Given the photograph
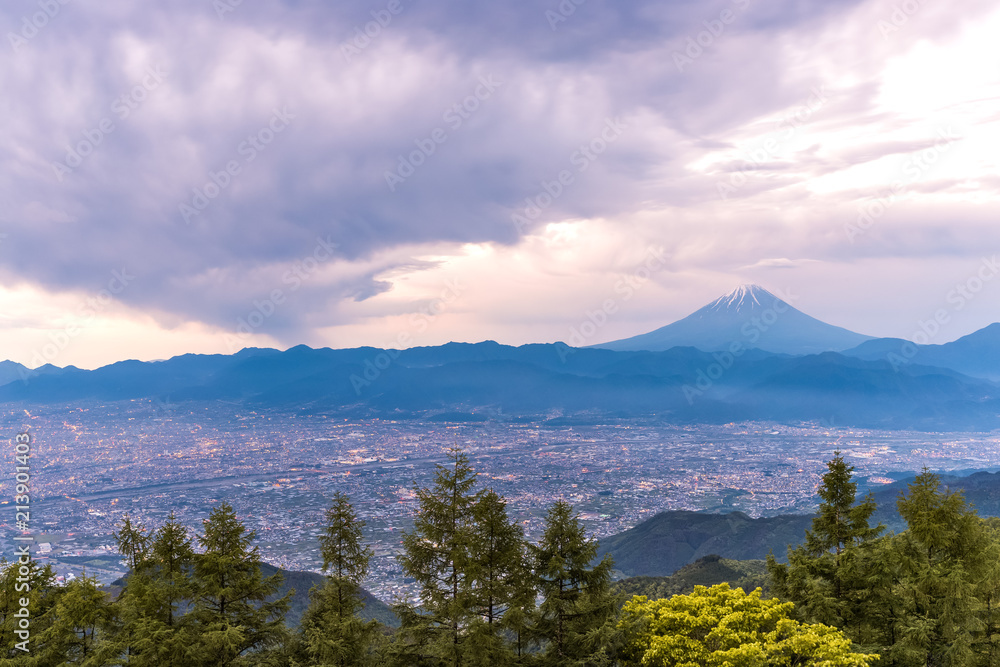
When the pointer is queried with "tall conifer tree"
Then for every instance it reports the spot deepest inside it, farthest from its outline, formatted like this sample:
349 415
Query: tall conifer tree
817 577
437 554
575 620
233 610
332 632
133 543
152 627
501 582
947 567
81 621
38 586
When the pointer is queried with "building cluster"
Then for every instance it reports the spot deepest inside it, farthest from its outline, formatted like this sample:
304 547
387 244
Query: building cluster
95 463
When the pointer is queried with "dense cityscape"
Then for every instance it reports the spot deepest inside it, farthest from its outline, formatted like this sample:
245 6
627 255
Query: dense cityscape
94 463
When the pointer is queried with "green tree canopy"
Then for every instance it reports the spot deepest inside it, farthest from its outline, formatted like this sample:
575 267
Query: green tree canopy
437 554
947 574
36 585
332 633
233 612
575 619
502 592
81 619
722 627
819 577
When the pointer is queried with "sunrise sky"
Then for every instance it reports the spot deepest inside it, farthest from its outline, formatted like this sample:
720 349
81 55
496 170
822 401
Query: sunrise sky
202 176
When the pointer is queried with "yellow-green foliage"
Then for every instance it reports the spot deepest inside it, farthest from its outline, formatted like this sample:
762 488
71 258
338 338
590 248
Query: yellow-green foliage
722 627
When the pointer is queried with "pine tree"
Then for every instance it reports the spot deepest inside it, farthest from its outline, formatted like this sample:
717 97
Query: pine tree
437 554
233 613
332 632
81 619
501 582
819 577
133 543
875 569
947 559
152 624
38 586
988 646
840 523
169 565
575 620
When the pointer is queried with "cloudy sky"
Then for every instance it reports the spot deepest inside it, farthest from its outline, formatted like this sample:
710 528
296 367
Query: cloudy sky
204 176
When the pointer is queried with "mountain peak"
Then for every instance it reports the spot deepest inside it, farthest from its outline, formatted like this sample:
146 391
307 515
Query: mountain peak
748 317
748 295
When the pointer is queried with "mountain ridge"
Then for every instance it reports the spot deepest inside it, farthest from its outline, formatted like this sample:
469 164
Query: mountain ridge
976 354
680 385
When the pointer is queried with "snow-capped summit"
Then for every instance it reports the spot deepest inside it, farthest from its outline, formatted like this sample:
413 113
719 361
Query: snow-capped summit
744 296
749 316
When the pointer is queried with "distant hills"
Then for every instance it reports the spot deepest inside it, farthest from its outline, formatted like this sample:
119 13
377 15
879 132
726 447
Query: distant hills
976 355
981 490
468 382
706 571
750 317
302 583
746 356
11 371
662 544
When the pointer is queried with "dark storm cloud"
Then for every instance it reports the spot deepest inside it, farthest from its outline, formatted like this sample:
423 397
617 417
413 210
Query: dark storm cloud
171 97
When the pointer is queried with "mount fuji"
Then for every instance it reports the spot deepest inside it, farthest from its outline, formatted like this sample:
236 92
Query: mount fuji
751 317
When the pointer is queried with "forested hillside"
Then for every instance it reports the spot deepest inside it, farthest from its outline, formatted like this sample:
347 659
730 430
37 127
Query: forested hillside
662 544
706 571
